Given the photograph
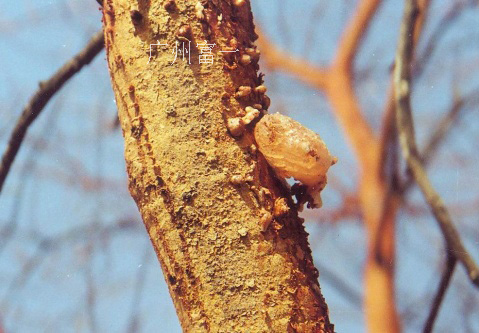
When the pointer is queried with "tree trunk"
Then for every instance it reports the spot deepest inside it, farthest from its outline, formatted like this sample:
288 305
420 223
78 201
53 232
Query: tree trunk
207 198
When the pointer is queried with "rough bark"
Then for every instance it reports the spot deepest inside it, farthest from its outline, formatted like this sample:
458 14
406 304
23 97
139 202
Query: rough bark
226 268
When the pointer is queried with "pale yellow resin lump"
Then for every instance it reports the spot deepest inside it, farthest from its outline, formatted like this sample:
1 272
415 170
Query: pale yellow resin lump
294 151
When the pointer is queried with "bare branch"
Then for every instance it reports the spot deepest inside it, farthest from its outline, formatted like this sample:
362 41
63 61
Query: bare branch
355 31
27 170
44 93
388 130
404 122
451 16
274 58
439 134
447 122
441 292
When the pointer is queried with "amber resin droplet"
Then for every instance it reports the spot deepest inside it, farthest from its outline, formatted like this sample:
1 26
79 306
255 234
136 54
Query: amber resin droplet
294 151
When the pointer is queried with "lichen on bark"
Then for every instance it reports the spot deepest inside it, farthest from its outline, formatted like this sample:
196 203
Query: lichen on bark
204 195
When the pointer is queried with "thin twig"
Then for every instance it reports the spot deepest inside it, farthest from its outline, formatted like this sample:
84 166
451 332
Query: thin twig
441 292
447 122
354 33
44 93
397 191
404 121
7 233
452 15
439 134
388 123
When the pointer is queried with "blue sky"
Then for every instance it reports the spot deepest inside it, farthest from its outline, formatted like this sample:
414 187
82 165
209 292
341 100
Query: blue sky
53 191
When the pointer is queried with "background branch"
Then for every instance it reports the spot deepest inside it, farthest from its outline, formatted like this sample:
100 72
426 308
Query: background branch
44 93
404 122
354 33
274 58
441 292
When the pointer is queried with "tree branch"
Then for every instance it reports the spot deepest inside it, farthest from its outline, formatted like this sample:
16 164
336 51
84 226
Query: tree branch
447 122
44 93
177 211
397 191
404 122
388 122
274 58
354 33
441 292
446 22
